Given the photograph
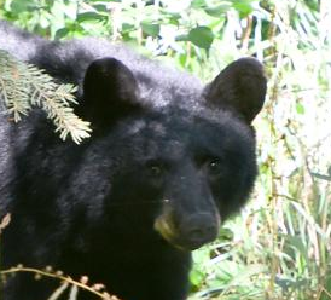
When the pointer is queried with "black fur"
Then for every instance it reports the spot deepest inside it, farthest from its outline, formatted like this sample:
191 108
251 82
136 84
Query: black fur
167 160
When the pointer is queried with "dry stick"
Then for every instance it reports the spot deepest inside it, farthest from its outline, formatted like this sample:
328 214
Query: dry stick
246 34
274 96
104 296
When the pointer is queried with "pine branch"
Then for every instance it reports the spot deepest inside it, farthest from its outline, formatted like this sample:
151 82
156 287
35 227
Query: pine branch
23 86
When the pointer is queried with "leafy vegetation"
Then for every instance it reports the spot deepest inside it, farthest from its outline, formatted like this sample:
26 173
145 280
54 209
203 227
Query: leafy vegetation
280 245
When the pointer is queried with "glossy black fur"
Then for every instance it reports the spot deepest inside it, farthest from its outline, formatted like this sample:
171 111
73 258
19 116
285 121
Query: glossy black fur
164 146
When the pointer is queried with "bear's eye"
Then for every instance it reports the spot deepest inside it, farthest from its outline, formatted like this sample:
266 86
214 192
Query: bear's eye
215 166
155 168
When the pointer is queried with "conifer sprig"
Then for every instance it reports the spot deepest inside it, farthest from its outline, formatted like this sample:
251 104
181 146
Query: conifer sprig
23 86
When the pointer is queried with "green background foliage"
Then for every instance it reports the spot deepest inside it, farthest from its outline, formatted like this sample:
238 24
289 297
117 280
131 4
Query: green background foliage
279 246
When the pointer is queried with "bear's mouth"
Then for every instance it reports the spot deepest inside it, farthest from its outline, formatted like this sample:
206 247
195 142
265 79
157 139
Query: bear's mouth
164 225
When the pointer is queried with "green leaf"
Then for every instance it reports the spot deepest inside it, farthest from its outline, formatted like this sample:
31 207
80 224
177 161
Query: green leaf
151 29
173 18
225 234
90 16
127 27
244 7
101 8
182 38
217 11
18 6
201 36
61 33
197 277
198 3
182 60
300 109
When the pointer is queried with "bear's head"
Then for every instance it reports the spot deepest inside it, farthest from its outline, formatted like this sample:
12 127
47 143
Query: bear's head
175 170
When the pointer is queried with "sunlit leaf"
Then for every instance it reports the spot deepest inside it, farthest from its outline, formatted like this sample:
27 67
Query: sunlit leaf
151 29
201 36
300 109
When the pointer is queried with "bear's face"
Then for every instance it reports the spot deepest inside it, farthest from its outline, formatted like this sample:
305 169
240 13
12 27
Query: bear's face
188 168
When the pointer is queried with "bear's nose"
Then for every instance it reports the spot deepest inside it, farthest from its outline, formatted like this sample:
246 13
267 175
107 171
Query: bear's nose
198 229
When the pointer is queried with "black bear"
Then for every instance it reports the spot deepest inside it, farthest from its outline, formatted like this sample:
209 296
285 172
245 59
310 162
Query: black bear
168 161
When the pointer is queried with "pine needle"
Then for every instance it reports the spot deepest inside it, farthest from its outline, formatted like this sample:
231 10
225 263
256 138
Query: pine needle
23 86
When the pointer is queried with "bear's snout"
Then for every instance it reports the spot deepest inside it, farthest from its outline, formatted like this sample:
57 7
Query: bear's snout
188 231
197 230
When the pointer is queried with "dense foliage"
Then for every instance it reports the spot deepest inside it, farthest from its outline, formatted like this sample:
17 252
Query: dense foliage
279 247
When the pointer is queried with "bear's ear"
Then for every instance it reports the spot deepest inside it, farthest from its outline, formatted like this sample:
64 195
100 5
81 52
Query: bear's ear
240 87
110 91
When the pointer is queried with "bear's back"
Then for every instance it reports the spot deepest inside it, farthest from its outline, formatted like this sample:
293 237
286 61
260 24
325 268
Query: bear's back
159 85
67 61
